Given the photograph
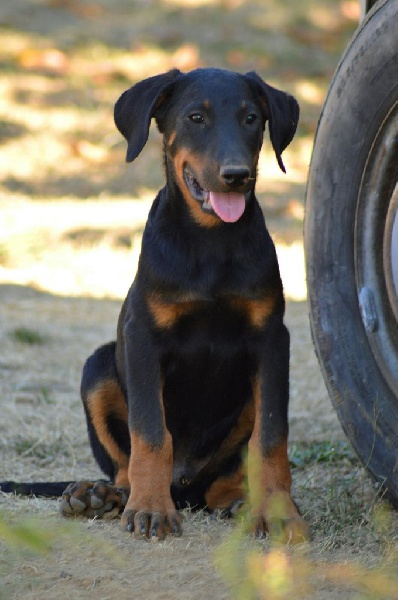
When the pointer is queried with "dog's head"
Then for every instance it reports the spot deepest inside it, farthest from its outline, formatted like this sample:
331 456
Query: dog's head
212 122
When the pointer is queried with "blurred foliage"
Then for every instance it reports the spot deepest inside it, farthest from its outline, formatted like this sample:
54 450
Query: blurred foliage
275 571
25 535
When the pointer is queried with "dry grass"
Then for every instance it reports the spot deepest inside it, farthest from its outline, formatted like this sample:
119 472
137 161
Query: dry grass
42 436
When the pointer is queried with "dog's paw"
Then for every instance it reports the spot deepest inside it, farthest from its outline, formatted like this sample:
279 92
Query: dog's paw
278 515
289 530
152 525
93 499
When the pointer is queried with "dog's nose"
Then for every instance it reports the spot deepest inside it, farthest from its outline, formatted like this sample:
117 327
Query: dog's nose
235 175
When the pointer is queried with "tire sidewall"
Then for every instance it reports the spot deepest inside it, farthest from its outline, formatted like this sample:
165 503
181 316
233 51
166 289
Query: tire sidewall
354 110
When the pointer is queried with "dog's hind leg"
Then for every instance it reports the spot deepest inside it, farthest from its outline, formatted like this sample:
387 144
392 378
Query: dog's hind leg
106 412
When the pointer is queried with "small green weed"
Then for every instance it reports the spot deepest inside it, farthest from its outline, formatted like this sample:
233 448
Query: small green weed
44 397
39 449
303 454
25 335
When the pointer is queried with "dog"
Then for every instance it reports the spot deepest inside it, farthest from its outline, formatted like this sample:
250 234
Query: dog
199 372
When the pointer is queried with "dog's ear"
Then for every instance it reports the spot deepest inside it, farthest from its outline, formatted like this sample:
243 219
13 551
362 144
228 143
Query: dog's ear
283 114
136 107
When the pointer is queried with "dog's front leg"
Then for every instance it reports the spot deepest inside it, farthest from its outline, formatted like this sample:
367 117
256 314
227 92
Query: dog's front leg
150 511
269 475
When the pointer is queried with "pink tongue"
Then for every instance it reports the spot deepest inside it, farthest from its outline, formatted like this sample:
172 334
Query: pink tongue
229 207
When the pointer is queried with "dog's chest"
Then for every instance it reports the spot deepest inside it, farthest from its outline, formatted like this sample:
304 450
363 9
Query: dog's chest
227 316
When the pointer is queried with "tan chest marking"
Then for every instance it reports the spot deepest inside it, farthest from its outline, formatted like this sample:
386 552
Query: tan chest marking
257 311
166 314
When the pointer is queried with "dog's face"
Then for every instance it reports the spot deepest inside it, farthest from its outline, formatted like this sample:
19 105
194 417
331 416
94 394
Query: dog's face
212 122
213 129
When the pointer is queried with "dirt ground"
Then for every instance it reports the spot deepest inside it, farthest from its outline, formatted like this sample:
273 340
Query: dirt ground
71 216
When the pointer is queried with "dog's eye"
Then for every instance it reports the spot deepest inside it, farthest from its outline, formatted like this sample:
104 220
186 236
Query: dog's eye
197 118
250 119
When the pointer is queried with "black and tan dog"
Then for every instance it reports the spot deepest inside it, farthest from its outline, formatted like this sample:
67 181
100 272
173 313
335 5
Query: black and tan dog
200 368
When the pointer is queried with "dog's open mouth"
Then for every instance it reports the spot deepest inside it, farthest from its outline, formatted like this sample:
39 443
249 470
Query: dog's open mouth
228 206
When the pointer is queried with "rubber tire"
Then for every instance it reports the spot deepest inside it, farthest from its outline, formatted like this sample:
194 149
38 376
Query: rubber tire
357 346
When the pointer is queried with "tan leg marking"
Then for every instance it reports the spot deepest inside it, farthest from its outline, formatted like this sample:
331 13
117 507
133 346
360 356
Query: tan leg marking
107 398
150 511
269 486
225 490
150 473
